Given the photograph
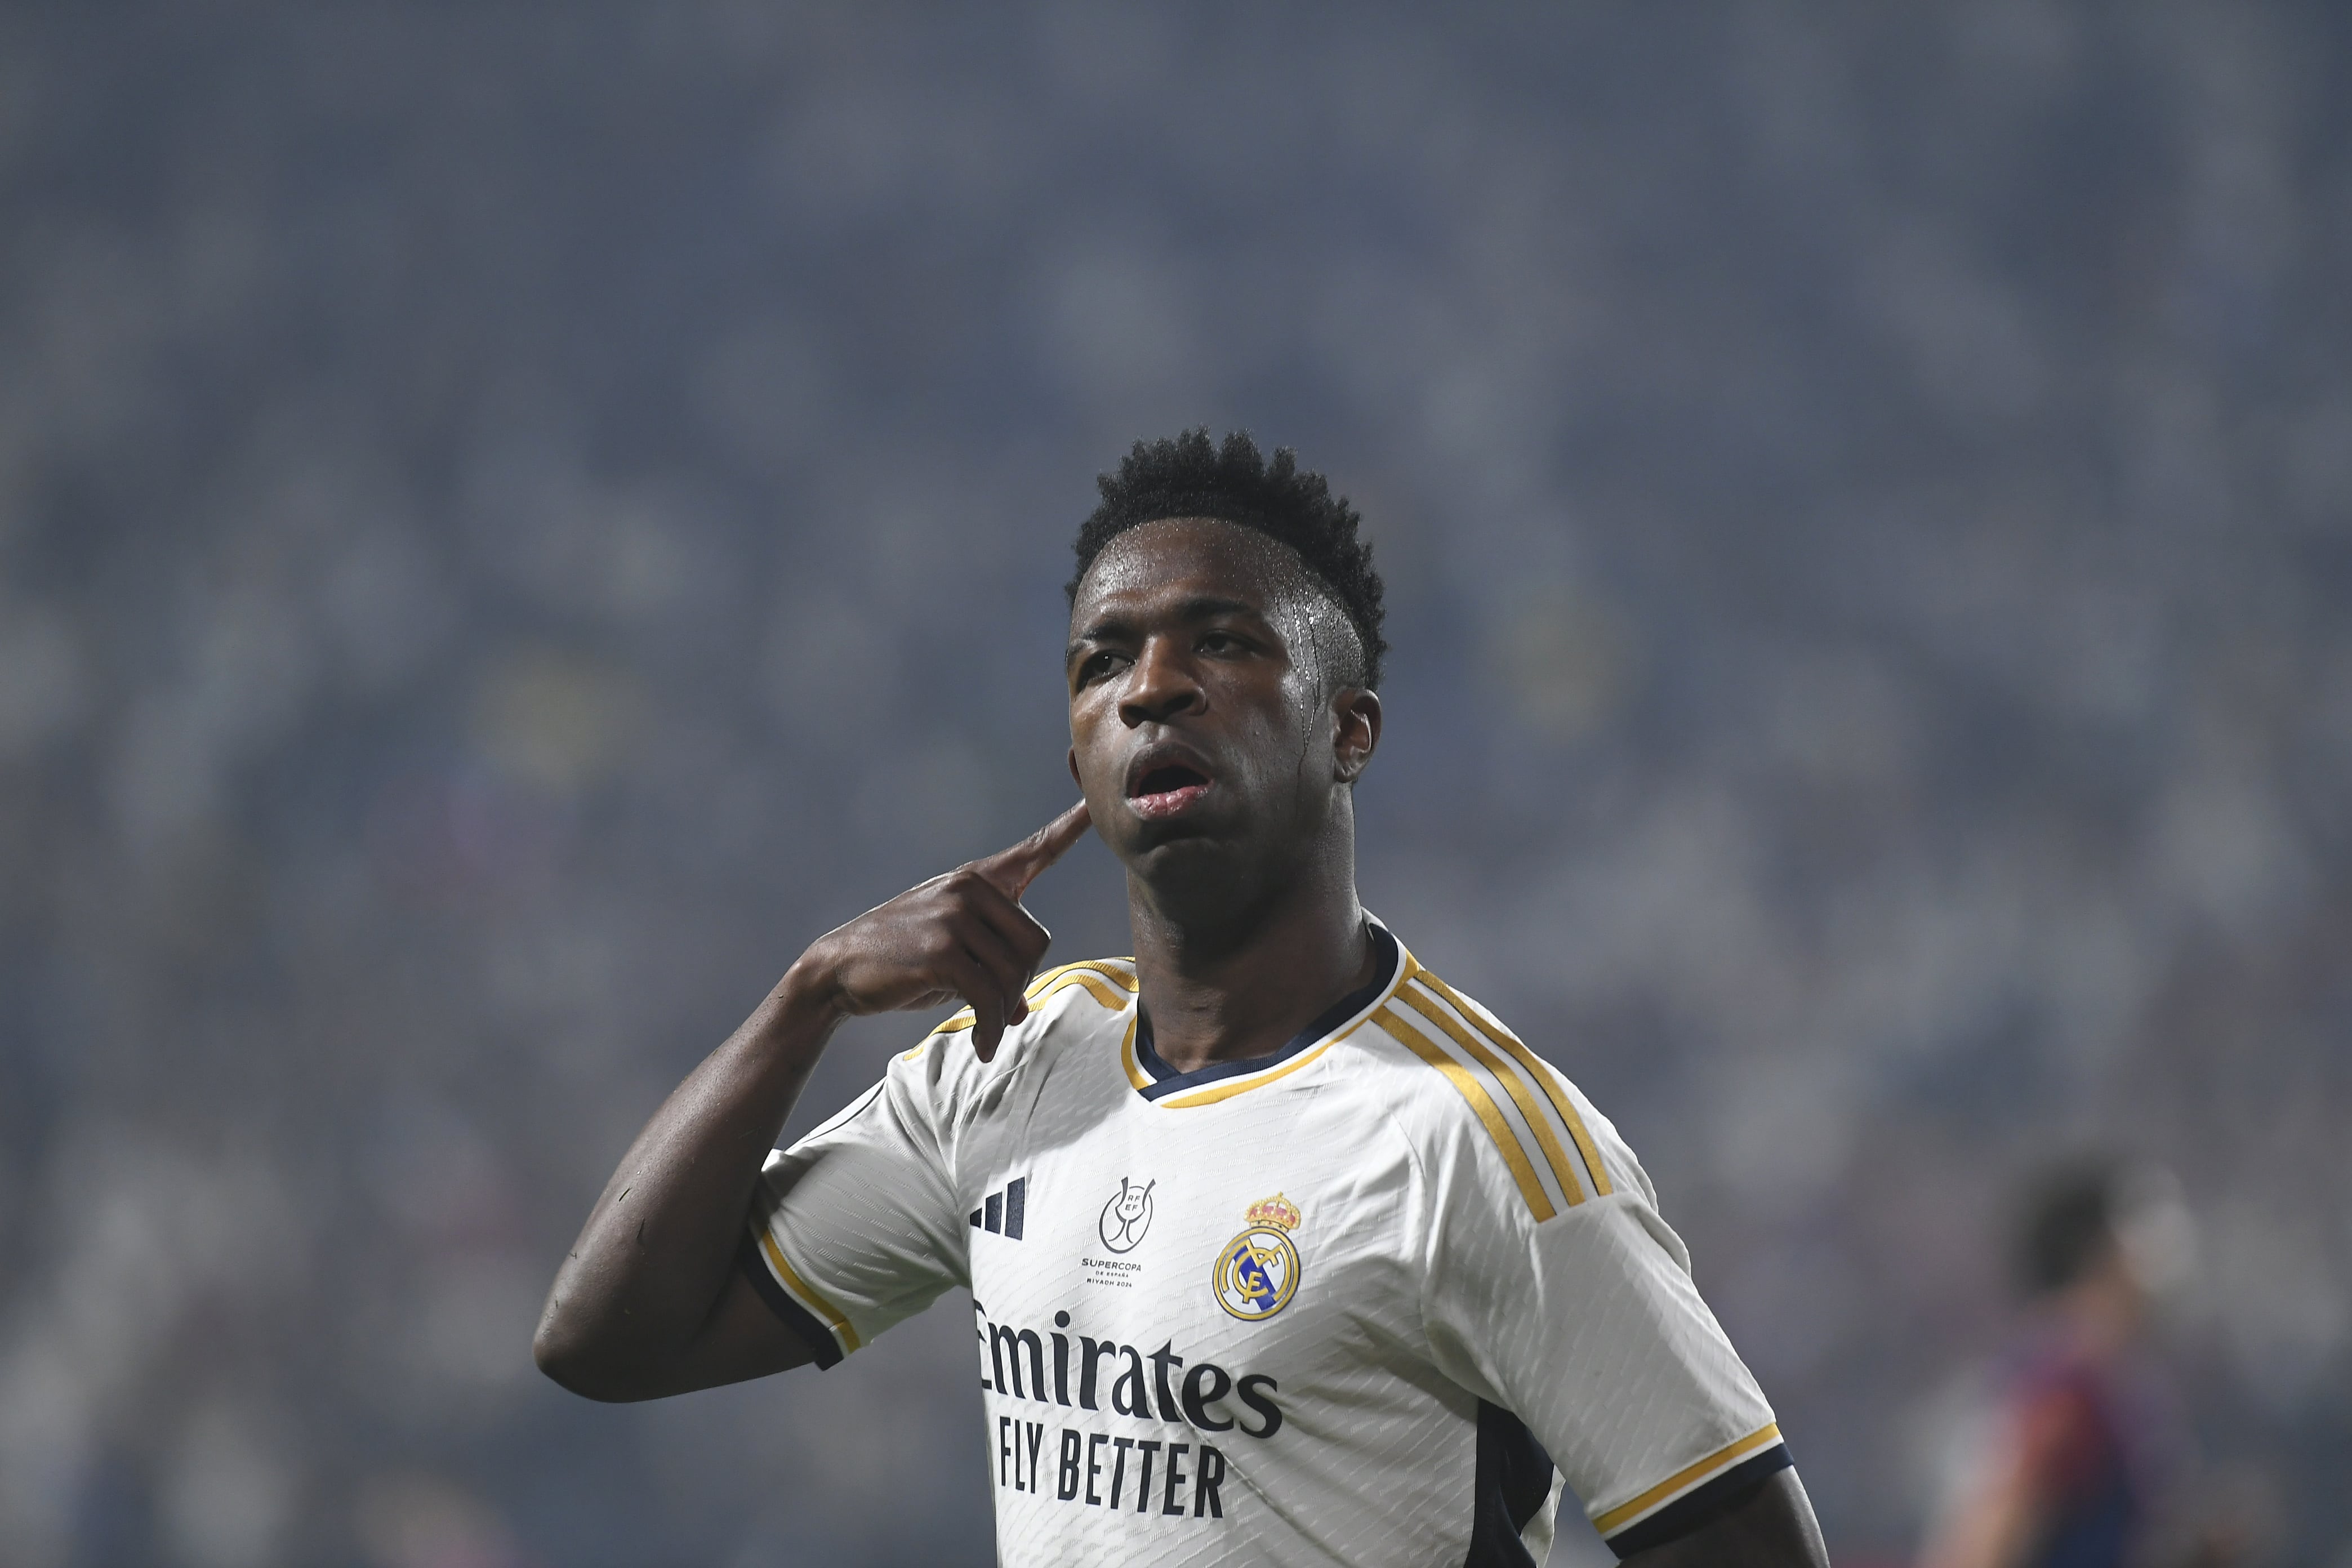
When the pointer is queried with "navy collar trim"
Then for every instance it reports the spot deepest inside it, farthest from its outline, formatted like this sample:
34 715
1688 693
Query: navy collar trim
1167 1080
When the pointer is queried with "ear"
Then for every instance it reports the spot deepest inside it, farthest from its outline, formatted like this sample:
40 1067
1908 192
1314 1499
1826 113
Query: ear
1356 733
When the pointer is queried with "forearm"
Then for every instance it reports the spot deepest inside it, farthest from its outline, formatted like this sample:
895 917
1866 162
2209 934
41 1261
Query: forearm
649 1301
659 1248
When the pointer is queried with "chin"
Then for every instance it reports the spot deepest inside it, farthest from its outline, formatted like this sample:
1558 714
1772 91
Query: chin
1152 842
1157 848
1204 869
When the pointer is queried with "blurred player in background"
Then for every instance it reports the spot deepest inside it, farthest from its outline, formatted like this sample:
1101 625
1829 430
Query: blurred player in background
2086 1458
1281 1250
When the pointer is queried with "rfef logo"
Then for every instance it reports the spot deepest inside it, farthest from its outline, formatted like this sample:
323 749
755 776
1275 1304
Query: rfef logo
1128 1215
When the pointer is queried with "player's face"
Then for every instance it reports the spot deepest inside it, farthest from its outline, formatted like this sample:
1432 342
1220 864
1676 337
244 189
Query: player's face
1201 719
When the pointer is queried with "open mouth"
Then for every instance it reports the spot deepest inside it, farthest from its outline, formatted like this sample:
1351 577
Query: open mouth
1166 789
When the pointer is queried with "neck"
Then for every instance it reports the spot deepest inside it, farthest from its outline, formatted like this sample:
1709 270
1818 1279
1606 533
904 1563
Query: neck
1239 977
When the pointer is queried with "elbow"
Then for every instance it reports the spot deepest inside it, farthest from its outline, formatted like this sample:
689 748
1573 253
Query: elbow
580 1375
561 1360
570 1360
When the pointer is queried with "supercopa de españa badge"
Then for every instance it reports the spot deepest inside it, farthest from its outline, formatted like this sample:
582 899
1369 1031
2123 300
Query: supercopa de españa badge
1257 1272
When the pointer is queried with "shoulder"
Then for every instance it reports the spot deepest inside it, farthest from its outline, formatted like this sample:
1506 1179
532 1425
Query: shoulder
1070 1007
1465 1086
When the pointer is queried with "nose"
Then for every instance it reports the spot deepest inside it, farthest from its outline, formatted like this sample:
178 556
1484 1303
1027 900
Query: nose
1161 685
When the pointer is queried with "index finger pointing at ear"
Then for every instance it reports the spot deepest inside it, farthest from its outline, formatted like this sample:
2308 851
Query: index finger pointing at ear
1014 869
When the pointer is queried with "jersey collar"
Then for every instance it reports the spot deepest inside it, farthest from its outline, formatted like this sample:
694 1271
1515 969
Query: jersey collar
1156 1081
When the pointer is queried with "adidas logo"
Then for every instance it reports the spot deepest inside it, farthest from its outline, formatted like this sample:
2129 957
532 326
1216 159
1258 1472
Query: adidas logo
1004 1212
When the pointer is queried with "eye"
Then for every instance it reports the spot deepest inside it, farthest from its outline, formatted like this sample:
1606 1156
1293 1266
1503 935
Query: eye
1221 642
1099 663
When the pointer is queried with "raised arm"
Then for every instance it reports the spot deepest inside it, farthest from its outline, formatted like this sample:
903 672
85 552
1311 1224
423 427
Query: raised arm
649 1301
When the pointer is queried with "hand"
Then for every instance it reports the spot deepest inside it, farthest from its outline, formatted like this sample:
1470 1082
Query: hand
963 934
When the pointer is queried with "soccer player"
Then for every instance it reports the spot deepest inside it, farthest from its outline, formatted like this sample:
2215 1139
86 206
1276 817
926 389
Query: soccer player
1281 1249
2087 1461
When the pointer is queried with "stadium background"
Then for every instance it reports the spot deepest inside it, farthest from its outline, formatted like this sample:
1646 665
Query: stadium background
513 519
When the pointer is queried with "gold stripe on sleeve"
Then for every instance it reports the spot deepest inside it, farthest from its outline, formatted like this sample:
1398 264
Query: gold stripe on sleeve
1110 972
1084 978
808 1297
1682 1480
1554 1155
1052 980
1545 1079
1491 1114
954 1023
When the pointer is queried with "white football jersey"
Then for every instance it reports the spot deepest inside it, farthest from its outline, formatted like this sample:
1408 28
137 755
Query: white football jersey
1367 1300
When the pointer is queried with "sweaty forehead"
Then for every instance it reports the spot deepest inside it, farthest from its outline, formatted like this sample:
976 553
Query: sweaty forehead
1204 553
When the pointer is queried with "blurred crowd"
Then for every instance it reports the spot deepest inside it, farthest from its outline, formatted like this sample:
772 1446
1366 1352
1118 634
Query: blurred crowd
512 520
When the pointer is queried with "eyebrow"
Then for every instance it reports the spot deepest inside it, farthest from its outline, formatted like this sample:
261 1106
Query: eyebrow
1198 608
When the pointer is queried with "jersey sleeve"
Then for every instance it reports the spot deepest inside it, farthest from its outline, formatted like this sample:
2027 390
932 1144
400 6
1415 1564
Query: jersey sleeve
854 1227
1586 1327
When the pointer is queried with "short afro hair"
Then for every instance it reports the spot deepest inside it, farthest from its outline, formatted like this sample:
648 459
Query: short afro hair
1188 476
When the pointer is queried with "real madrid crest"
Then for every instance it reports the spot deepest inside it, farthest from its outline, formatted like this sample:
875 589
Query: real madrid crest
1257 1272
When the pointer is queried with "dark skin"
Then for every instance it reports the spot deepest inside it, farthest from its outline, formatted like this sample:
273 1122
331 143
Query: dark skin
1216 740
1243 904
